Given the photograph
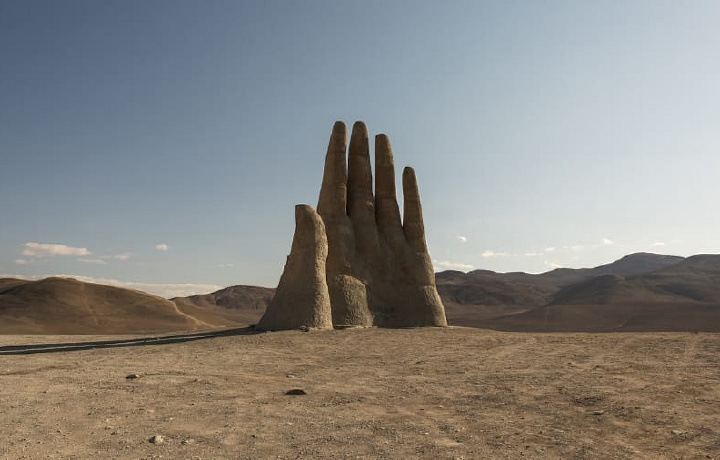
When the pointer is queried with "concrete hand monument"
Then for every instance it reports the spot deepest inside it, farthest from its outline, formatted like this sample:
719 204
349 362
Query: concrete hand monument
354 262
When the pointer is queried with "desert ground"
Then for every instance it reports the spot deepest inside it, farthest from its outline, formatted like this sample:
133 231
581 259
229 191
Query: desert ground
454 393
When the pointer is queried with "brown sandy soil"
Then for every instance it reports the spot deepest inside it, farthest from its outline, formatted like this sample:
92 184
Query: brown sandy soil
415 393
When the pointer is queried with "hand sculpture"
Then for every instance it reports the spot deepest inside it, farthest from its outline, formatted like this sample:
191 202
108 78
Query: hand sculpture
377 270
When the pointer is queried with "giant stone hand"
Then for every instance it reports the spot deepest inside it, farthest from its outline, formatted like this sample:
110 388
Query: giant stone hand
378 270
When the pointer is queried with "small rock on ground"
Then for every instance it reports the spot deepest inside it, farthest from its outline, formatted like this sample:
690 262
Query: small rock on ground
296 392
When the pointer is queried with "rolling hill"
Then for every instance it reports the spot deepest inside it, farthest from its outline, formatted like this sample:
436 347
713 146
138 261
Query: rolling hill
68 306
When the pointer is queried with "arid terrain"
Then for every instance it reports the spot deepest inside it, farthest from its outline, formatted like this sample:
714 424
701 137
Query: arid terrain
638 293
618 361
68 306
371 393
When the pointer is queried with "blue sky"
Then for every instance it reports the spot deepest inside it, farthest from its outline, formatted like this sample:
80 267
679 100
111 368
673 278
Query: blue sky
165 143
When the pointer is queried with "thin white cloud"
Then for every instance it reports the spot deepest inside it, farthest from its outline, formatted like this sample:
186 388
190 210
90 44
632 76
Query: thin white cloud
553 265
43 250
658 243
490 253
21 261
123 256
577 247
162 247
607 241
226 265
462 239
162 290
532 254
92 261
447 265
549 249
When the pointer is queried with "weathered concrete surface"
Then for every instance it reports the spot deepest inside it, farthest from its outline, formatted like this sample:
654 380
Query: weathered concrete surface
378 271
302 298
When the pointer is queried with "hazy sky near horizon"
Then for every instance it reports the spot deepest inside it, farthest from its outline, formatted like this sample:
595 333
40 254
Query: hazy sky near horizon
166 143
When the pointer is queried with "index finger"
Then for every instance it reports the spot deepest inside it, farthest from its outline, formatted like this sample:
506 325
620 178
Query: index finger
333 192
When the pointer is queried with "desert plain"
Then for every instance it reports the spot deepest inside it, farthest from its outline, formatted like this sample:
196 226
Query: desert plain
446 393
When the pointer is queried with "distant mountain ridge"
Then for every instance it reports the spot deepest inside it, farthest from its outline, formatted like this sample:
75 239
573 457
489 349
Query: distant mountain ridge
695 279
638 292
682 296
241 304
580 299
484 287
234 298
633 264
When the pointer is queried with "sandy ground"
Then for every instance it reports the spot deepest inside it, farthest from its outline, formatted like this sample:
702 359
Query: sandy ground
451 393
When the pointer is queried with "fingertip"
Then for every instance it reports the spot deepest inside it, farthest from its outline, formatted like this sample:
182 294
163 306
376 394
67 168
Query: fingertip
409 173
339 127
338 138
382 140
303 210
359 139
384 155
359 128
409 184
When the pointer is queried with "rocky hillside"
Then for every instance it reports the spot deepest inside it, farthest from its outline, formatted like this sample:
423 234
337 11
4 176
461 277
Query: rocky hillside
240 304
695 279
484 287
